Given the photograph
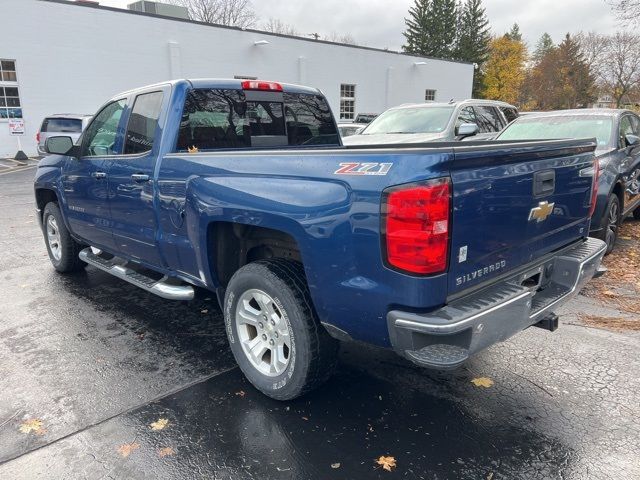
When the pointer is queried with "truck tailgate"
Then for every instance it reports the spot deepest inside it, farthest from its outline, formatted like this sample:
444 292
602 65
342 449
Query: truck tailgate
514 205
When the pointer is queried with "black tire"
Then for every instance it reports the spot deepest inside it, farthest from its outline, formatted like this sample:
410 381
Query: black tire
312 354
636 213
610 223
68 250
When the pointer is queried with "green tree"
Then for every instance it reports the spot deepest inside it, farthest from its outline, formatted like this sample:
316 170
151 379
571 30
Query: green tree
418 25
514 33
561 78
543 47
473 39
576 81
431 28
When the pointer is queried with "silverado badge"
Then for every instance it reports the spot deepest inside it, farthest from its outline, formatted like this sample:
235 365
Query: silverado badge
541 212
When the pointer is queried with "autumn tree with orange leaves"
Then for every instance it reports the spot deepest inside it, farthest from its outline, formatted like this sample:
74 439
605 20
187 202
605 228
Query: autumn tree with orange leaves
505 69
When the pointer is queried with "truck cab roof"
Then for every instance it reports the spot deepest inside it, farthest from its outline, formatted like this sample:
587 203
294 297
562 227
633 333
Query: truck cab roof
222 83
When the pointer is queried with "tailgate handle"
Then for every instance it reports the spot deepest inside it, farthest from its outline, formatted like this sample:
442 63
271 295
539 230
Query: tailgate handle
544 183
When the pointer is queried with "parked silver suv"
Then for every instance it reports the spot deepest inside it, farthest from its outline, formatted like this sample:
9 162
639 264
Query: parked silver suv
436 122
67 124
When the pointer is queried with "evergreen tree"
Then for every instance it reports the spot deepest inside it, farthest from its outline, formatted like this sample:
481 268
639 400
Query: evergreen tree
418 25
561 78
431 28
576 81
473 39
514 33
543 47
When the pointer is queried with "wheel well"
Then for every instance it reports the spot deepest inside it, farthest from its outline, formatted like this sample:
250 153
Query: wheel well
234 245
44 196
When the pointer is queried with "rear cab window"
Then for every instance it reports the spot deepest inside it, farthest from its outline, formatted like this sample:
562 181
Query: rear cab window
214 119
58 124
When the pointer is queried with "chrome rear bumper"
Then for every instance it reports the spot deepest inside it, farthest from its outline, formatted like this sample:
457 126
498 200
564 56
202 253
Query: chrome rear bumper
446 337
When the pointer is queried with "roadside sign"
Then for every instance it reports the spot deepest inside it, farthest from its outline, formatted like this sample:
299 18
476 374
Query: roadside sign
16 126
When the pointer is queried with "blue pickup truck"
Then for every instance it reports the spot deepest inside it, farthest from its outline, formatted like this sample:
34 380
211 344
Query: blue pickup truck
243 188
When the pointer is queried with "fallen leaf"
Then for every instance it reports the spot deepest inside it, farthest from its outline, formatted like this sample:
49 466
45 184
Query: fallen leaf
335 465
32 425
126 449
204 311
240 393
482 382
387 463
305 418
490 476
159 424
166 452
609 293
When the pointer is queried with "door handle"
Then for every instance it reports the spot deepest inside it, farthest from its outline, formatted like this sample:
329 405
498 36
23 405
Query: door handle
139 177
99 175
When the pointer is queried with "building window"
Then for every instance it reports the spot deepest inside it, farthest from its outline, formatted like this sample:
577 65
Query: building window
429 95
347 101
10 106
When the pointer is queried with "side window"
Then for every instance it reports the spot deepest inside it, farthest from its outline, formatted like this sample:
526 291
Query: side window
488 119
635 125
466 115
142 123
100 136
509 113
626 128
309 120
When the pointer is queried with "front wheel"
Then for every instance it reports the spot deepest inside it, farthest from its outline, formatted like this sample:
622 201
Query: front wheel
274 332
62 248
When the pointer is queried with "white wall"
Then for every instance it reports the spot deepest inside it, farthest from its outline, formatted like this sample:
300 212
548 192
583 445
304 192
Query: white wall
72 58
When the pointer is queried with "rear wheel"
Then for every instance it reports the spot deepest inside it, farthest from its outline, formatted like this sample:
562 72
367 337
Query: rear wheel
274 332
63 249
611 223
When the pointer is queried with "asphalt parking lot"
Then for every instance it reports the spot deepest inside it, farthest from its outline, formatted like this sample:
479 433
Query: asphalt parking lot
101 380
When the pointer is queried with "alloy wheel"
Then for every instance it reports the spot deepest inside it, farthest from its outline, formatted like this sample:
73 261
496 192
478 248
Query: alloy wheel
263 331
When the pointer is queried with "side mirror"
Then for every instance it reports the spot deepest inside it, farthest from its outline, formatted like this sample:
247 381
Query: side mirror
631 140
467 129
58 145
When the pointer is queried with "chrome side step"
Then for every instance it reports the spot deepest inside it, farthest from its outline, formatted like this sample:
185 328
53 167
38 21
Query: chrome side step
118 268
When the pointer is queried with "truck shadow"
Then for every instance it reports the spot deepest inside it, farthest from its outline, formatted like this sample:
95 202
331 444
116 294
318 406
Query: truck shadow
437 425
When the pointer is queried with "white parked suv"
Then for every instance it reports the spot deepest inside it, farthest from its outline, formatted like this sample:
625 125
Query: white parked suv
66 124
436 122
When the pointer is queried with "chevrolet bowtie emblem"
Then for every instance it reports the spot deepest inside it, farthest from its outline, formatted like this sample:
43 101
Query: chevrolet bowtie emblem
541 212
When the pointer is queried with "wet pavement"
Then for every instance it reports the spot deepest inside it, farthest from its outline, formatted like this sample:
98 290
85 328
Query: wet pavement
101 380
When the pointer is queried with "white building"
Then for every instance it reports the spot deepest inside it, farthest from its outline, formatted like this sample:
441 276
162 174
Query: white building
71 57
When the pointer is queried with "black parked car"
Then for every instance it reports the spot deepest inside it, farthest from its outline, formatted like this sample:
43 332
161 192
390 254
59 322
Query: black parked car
618 135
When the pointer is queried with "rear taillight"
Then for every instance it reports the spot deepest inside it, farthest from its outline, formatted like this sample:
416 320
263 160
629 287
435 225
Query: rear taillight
415 224
594 186
38 137
261 85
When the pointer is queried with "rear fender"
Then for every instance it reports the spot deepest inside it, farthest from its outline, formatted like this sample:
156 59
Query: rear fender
309 211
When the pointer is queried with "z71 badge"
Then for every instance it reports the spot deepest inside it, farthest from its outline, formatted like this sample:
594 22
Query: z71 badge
363 169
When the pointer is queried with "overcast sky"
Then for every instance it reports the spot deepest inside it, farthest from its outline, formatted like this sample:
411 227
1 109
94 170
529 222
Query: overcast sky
380 23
